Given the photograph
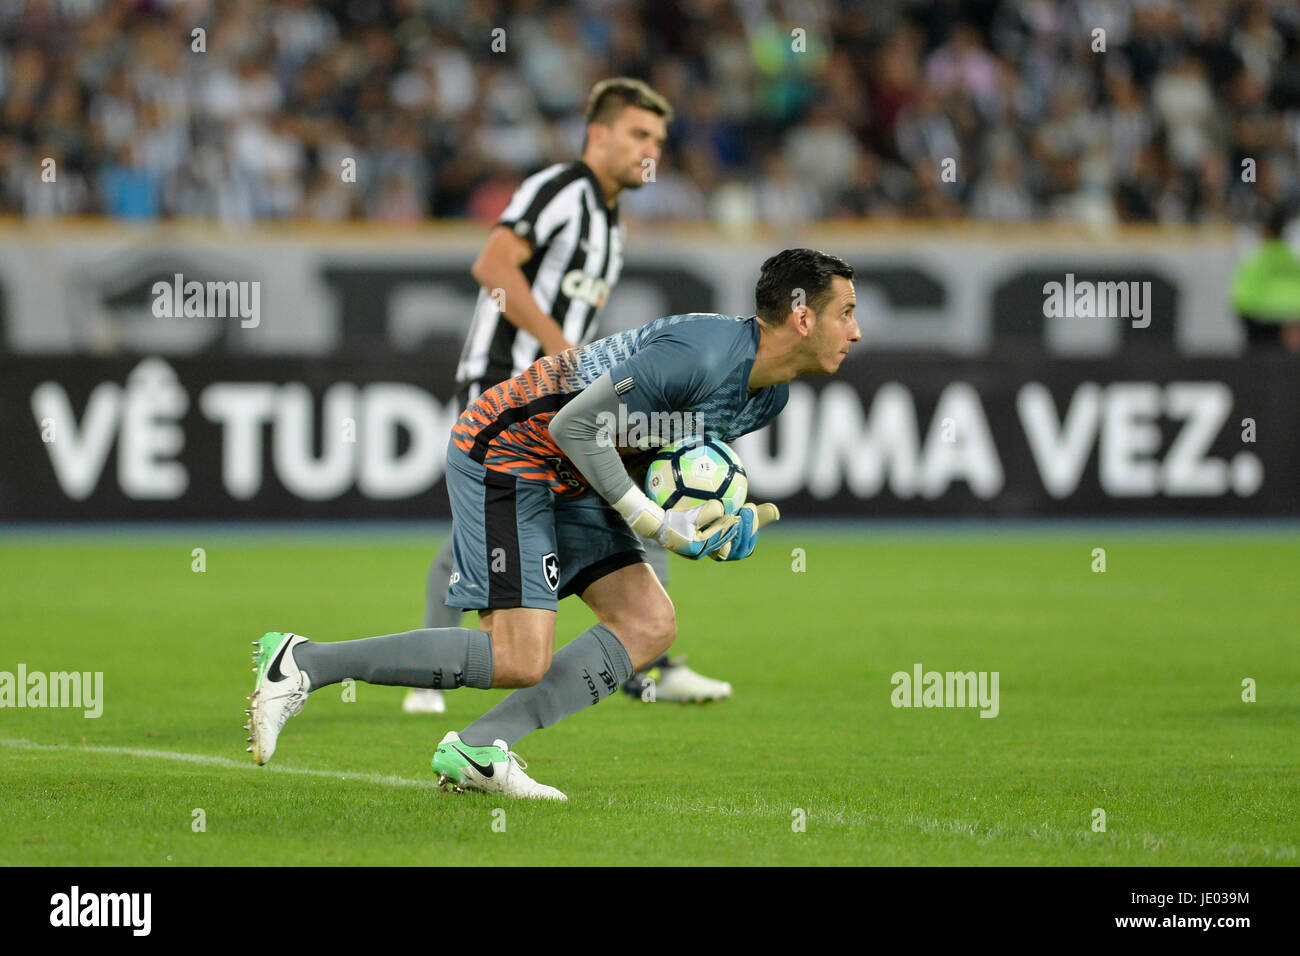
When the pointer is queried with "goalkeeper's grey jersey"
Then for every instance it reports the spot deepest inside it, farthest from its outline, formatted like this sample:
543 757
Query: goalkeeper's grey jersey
698 363
577 257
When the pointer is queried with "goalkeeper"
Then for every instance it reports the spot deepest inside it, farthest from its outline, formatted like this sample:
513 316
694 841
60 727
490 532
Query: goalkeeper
543 507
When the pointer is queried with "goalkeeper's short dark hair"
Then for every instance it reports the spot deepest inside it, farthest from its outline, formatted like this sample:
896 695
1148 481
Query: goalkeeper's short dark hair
791 272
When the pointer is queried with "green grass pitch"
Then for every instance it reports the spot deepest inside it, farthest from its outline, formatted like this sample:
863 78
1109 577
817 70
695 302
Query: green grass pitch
1120 691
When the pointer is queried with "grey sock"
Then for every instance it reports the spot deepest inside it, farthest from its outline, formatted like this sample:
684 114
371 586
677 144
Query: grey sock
436 612
585 671
441 657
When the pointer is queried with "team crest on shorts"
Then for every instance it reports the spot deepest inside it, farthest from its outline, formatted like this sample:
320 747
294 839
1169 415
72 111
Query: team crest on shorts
551 570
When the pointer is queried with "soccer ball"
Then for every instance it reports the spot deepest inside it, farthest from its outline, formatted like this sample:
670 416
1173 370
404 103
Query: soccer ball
695 470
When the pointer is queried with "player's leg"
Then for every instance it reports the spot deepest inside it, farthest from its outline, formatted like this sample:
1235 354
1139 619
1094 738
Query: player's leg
427 700
437 613
501 529
498 523
493 767
665 678
636 624
514 654
657 557
604 562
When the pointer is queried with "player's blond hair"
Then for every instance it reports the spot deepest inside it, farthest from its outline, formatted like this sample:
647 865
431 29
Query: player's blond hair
610 97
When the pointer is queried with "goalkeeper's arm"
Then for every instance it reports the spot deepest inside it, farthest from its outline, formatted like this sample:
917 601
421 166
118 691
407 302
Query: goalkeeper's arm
581 429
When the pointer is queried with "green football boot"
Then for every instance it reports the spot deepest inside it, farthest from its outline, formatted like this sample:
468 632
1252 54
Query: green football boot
279 693
492 769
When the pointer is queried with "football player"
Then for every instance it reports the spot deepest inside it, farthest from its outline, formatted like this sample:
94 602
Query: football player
552 258
543 507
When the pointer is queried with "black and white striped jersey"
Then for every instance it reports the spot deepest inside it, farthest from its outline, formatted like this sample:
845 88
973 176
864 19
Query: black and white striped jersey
577 256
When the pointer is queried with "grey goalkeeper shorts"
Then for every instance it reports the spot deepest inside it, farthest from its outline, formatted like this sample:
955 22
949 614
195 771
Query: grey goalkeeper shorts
515 543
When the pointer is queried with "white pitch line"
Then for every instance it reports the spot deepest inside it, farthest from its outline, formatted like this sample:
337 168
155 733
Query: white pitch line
386 780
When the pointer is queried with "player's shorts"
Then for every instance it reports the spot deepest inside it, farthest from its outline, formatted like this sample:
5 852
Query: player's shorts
515 543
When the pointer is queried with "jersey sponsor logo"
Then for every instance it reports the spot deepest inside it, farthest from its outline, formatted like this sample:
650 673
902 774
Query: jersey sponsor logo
562 472
576 284
551 570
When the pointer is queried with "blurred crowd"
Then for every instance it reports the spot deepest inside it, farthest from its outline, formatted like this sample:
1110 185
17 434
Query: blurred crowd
1094 111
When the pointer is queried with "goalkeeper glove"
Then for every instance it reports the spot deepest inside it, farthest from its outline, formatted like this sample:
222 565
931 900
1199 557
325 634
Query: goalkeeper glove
742 545
692 532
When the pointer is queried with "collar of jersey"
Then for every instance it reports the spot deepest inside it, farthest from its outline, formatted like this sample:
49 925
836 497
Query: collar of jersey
599 192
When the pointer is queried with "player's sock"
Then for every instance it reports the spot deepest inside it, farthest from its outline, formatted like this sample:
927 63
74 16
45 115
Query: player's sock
438 657
585 671
436 612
